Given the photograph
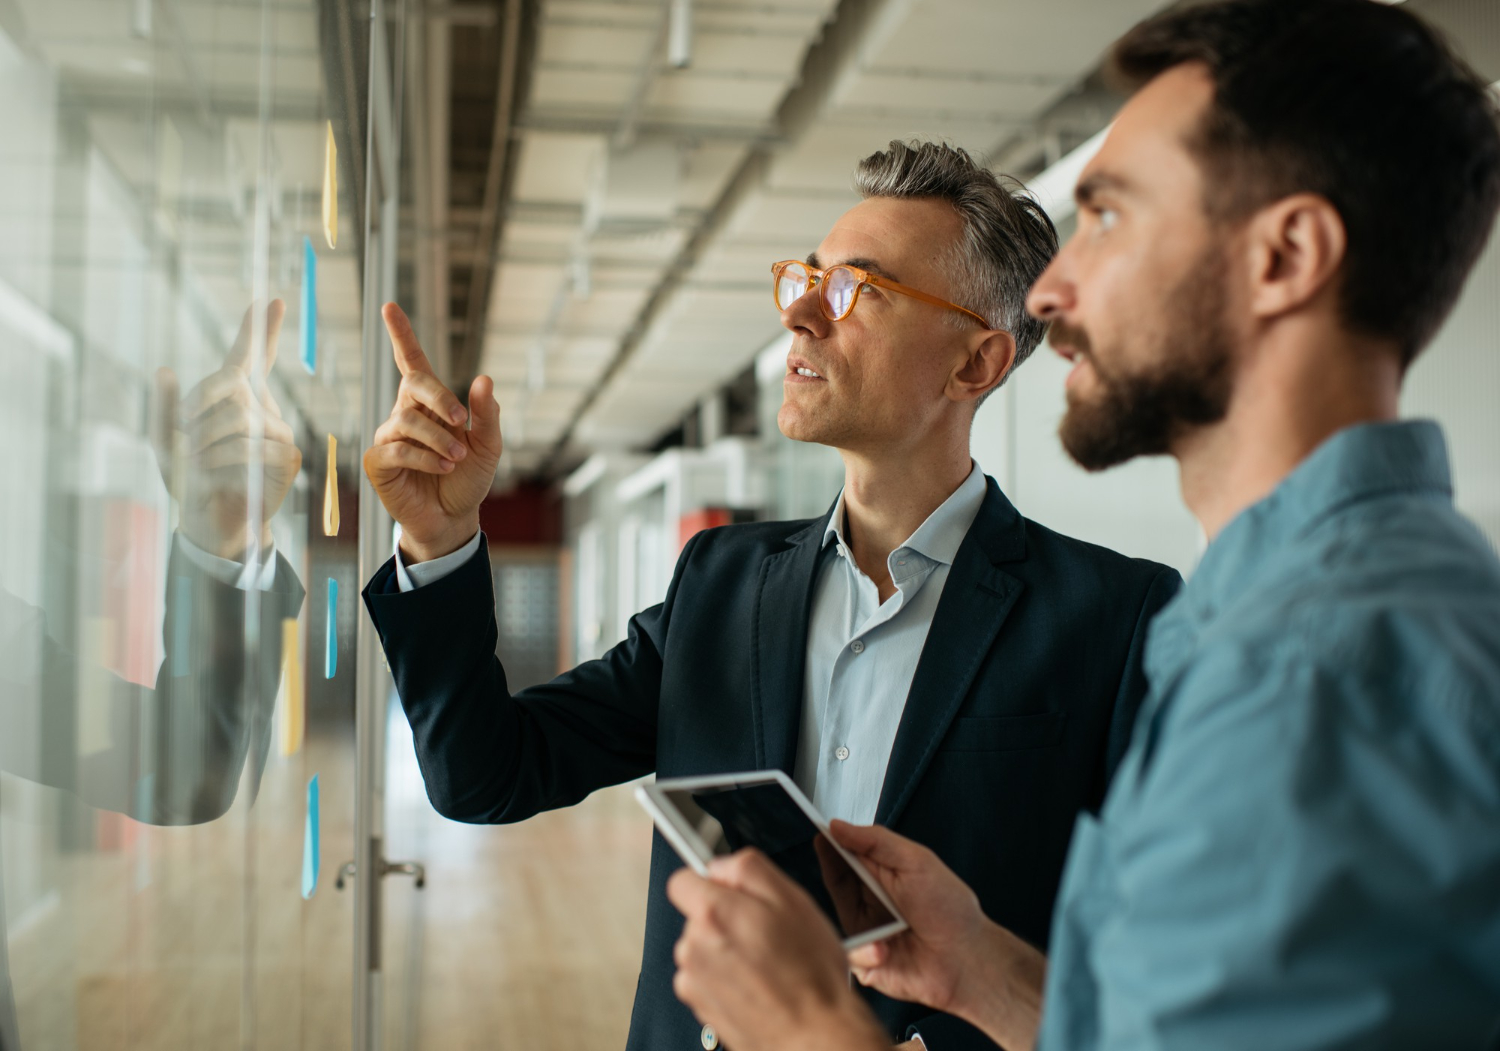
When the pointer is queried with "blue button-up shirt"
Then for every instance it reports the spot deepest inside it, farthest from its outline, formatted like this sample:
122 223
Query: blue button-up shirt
1302 847
862 654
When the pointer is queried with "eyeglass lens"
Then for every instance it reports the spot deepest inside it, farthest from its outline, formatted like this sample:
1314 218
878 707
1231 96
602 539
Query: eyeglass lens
790 284
838 290
838 287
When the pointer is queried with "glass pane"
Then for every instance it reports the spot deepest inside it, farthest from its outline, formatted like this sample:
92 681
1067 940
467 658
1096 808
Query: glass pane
179 338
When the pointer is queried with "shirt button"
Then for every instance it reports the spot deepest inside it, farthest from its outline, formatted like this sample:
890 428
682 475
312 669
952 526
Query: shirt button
841 753
857 646
710 1038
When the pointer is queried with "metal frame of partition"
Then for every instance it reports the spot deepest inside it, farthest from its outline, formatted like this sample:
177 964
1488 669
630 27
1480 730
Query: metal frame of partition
373 681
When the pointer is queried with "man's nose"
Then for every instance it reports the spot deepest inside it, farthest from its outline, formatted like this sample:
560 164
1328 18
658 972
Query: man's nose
1052 295
803 315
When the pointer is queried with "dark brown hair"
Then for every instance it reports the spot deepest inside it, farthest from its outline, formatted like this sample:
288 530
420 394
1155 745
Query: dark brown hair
1363 104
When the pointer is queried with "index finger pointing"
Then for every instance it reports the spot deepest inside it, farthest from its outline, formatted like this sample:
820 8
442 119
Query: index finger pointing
408 352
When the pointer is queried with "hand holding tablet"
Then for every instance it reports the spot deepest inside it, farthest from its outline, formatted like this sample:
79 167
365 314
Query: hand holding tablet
705 817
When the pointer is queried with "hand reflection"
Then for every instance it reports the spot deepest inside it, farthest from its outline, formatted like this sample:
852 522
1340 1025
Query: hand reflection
854 903
225 425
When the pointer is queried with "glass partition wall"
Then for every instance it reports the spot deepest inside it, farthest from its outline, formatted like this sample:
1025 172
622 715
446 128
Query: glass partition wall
191 251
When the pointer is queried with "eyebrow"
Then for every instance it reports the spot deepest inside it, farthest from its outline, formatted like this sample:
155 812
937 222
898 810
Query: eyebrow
1093 185
863 264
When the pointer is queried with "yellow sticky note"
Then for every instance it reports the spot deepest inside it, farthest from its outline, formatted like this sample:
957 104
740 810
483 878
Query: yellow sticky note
293 714
331 490
331 191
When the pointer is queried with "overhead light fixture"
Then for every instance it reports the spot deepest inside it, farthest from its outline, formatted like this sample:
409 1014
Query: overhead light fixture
680 34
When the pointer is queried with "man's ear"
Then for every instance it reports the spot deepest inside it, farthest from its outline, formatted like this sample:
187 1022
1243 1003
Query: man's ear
1297 247
991 355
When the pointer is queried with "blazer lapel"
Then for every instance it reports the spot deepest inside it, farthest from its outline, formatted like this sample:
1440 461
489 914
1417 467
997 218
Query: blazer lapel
976 599
783 606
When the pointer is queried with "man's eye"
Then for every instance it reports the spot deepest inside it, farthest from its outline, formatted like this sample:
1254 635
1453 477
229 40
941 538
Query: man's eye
1107 218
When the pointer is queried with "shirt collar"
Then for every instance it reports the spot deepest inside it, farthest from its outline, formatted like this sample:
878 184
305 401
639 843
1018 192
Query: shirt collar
1354 465
939 537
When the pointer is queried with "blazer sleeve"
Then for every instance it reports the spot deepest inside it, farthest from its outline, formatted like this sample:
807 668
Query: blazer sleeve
490 756
208 713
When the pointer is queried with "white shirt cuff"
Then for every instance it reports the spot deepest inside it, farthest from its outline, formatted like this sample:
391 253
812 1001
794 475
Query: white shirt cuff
420 574
242 575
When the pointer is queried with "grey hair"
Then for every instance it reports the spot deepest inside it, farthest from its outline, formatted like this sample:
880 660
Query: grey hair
1008 240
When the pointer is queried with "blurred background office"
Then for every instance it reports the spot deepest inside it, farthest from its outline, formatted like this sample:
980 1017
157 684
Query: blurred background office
212 830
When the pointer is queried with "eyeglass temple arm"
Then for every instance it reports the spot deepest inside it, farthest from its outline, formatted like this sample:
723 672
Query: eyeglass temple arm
897 286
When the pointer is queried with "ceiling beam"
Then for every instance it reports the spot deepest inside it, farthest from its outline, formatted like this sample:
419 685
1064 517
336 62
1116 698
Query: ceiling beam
498 174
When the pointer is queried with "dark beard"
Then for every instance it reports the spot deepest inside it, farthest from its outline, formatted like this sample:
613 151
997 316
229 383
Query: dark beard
1143 414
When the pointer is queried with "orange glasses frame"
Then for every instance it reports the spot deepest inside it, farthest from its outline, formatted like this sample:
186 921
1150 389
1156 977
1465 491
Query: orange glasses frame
864 278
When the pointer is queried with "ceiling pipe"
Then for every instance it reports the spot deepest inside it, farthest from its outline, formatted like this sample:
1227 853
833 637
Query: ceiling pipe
431 80
680 35
489 220
576 278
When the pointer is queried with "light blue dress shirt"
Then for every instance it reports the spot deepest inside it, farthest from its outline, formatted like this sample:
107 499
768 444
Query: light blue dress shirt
1302 847
862 654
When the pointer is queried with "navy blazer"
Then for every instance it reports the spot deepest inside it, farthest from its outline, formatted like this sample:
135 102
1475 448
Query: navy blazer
1020 708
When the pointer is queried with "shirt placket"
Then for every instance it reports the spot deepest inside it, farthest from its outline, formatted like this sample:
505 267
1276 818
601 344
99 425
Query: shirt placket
852 678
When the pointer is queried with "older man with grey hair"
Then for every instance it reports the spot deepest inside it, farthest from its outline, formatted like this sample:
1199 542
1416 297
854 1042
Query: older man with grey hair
922 656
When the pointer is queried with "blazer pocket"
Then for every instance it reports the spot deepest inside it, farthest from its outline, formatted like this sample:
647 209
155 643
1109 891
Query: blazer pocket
1005 733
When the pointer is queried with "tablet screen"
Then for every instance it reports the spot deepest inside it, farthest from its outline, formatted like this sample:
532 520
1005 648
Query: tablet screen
762 815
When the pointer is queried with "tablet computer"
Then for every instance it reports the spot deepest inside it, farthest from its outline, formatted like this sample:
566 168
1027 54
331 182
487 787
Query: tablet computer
707 816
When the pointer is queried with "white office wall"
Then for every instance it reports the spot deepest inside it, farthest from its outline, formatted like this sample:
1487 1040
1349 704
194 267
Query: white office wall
1456 381
1134 509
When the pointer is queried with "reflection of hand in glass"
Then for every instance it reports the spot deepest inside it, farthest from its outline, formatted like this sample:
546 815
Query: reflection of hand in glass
226 424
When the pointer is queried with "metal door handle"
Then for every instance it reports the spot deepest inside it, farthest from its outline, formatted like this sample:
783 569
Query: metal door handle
387 868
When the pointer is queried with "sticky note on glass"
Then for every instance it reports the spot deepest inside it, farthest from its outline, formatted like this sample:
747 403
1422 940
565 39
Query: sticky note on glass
309 306
331 191
311 858
293 714
331 656
331 490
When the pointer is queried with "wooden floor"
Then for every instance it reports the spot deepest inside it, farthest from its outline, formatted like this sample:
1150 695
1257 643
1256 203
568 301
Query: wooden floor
191 939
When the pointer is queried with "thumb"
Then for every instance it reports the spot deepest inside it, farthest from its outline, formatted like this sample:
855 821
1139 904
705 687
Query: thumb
274 315
164 420
879 845
484 415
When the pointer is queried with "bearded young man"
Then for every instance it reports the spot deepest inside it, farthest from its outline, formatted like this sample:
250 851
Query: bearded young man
1302 847
921 648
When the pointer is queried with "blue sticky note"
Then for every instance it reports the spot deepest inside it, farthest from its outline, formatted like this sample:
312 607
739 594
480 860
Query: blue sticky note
311 856
331 658
309 306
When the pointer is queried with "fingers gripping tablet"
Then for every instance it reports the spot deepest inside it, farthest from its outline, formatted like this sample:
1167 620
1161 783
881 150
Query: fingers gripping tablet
703 817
